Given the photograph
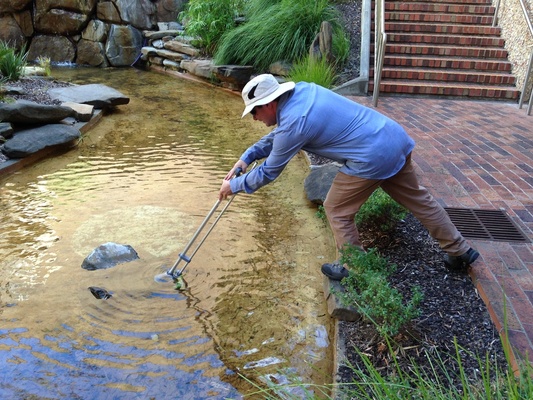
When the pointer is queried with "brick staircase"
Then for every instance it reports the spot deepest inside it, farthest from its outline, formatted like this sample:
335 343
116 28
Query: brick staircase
445 48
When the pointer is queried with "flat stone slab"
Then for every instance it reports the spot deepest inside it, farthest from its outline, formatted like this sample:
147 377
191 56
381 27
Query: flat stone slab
29 112
233 76
85 111
97 95
29 141
335 307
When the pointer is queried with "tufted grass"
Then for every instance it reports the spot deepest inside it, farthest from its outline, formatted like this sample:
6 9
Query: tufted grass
12 62
309 69
277 31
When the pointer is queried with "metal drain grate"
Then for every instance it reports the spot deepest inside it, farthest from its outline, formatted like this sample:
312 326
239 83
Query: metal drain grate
486 225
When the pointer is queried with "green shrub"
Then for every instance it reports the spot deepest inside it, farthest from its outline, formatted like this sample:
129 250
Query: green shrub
309 69
367 289
207 20
12 62
380 211
275 31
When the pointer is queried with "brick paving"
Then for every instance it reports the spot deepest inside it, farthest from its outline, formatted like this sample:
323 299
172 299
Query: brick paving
480 155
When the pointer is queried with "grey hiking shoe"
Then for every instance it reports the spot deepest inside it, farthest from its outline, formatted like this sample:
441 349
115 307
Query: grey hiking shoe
334 271
457 263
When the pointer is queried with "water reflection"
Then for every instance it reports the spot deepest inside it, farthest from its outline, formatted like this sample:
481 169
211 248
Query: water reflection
146 176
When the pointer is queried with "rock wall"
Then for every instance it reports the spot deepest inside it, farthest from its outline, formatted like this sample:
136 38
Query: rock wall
170 50
98 33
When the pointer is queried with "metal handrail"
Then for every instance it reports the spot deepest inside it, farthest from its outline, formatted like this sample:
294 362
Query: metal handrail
530 64
380 43
522 95
496 10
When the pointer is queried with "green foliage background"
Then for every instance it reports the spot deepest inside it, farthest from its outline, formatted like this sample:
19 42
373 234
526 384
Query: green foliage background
261 32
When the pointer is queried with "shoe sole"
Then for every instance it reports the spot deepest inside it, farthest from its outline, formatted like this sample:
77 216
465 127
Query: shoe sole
332 277
464 263
473 258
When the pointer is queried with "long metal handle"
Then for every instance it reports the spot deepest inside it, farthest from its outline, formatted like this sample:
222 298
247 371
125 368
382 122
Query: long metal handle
183 255
188 260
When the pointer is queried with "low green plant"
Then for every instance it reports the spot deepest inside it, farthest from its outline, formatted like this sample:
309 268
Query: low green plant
321 213
311 69
208 20
381 211
12 62
368 290
45 63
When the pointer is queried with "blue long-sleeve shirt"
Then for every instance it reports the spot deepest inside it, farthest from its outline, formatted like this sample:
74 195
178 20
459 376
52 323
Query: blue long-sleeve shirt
317 120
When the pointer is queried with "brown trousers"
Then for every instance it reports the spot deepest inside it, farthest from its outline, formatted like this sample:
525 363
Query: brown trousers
348 193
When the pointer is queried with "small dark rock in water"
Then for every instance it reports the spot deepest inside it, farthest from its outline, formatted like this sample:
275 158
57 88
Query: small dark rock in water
100 293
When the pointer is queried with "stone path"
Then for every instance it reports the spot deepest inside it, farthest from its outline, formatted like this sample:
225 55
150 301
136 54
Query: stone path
480 155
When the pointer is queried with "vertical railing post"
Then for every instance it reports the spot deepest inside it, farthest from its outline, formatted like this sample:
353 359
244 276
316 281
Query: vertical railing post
496 10
524 89
380 42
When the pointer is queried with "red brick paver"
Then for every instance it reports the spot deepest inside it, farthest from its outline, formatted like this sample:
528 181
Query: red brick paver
480 155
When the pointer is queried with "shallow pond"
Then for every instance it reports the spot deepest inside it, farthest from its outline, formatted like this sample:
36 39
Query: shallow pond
253 313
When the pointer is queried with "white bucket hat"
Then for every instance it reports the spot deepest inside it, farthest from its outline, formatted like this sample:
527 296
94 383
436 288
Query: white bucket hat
262 90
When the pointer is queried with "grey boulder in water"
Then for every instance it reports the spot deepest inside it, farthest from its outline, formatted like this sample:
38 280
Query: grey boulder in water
108 255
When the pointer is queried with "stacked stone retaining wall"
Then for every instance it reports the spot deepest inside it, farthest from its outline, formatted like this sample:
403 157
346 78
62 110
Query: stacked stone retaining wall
99 33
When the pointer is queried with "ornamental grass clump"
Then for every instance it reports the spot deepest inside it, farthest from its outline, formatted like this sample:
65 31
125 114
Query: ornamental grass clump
311 69
276 31
12 62
368 290
440 382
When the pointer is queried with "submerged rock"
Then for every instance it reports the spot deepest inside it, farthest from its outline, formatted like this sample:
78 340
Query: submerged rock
108 255
100 293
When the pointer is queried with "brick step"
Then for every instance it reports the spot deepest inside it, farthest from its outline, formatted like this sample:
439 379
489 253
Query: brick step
443 18
458 40
448 63
477 30
494 53
426 74
445 89
439 7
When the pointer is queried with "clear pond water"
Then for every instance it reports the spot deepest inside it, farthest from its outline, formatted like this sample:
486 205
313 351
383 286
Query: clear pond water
254 312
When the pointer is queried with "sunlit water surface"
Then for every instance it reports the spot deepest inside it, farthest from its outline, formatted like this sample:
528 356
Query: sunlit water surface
146 176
